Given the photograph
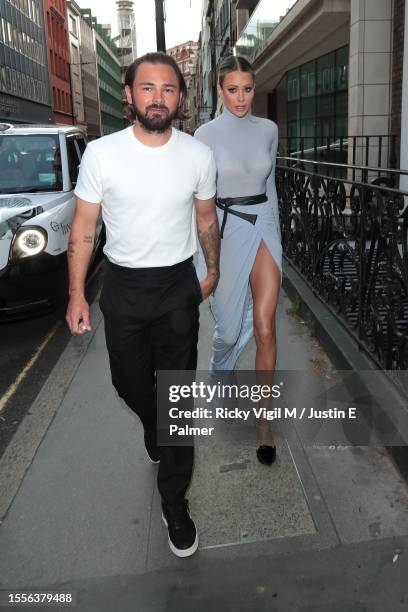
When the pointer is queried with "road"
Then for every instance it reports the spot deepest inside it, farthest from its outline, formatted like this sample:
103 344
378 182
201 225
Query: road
29 350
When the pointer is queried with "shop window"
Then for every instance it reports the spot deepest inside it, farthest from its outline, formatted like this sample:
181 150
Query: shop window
342 68
293 85
316 98
325 73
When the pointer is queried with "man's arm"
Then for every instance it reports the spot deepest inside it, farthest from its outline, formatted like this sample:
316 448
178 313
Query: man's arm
209 238
80 247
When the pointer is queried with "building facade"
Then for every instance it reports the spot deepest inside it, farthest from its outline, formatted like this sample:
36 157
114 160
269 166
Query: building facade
207 61
24 77
217 39
110 89
55 12
74 29
328 71
126 41
89 73
186 58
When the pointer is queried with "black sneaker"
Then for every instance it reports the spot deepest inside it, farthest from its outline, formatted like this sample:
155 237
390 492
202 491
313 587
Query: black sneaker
153 451
183 538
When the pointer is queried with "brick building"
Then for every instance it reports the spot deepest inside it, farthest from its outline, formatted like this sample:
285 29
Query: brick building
186 58
58 60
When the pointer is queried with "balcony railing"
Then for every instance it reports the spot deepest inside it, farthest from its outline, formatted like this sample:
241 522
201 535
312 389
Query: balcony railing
349 241
263 21
379 151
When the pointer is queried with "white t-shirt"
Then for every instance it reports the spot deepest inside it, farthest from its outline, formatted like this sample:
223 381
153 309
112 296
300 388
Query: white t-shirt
147 195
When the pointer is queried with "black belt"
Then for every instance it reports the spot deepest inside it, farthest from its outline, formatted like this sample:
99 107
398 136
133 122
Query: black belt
226 203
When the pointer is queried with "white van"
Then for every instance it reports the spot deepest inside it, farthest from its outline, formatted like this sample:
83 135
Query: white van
38 172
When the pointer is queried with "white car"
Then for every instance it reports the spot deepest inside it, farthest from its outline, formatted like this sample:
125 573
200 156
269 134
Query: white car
38 173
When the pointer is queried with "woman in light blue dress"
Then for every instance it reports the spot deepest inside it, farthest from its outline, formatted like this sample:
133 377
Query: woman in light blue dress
245 300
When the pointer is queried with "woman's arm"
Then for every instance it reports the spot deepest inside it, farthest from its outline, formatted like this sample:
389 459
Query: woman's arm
270 182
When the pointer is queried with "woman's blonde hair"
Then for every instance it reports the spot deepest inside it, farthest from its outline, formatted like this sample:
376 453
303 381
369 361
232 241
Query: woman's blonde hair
233 63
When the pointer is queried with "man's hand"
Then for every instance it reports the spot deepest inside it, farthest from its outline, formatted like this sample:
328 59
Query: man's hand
80 247
77 317
209 284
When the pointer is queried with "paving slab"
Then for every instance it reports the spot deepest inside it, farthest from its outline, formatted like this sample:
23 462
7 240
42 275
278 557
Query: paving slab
84 507
366 496
364 577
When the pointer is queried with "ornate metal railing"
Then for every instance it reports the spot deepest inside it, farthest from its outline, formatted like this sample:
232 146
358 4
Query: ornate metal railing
364 150
349 241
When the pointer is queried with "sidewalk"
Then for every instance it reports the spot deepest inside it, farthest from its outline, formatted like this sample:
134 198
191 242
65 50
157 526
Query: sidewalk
323 527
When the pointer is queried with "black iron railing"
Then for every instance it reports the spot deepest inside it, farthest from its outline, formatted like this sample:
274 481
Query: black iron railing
349 241
380 150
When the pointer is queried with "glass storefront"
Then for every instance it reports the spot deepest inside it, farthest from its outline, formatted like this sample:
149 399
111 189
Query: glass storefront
316 99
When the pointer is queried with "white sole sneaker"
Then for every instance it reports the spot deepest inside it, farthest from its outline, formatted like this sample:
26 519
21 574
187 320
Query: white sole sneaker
150 459
183 552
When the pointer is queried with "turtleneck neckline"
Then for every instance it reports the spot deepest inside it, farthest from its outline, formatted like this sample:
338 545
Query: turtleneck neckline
227 114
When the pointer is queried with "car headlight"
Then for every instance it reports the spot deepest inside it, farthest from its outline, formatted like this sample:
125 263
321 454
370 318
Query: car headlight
28 241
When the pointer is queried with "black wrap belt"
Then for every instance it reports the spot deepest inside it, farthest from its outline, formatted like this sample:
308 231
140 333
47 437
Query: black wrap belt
226 203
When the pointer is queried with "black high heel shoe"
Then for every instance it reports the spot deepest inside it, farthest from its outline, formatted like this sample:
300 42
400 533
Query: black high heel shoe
266 454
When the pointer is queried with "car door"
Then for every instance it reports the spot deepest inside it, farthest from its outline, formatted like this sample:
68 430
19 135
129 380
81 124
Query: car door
80 145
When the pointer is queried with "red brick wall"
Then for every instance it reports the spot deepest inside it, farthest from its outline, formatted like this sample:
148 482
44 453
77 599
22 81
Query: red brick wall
55 14
397 65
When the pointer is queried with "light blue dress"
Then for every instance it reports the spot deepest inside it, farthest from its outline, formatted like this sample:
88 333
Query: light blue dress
245 153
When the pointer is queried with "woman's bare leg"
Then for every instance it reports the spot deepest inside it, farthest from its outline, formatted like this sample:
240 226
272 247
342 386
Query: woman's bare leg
265 285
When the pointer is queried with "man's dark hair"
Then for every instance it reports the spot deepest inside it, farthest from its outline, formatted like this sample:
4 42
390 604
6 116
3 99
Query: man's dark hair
157 57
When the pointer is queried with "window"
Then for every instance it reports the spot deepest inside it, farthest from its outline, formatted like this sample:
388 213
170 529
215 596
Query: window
316 103
293 85
20 42
13 80
342 68
73 160
41 167
24 85
3 84
325 73
81 145
73 25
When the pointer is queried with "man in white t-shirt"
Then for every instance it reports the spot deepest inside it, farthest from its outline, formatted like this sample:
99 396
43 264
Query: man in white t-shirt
152 181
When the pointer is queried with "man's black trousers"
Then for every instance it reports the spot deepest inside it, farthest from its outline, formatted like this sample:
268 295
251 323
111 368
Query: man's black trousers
151 323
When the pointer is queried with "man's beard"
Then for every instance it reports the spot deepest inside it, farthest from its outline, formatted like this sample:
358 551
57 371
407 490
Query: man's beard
155 122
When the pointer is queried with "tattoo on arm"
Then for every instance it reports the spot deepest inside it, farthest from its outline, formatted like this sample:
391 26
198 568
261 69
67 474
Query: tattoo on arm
88 239
210 243
71 248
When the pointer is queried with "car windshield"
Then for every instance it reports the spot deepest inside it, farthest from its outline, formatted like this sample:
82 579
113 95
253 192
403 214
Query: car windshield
30 163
